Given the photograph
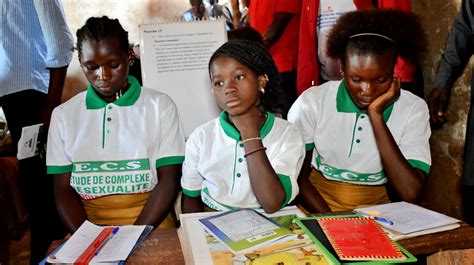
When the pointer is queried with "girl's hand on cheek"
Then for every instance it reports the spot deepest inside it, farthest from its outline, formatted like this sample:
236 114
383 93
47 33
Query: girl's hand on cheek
247 123
381 103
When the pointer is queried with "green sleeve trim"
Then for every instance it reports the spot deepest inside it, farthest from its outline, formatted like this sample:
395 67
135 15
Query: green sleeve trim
192 193
309 147
59 169
420 165
170 160
286 182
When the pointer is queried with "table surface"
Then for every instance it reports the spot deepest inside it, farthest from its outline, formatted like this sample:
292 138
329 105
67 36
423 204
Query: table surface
162 246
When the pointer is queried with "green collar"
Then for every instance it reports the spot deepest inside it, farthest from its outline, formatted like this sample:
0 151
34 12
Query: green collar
344 103
233 133
93 101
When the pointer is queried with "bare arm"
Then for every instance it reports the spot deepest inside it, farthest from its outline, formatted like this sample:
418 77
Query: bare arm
68 202
406 180
162 197
276 29
57 76
192 204
309 197
265 182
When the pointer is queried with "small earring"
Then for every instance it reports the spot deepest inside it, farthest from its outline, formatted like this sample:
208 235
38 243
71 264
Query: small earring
262 89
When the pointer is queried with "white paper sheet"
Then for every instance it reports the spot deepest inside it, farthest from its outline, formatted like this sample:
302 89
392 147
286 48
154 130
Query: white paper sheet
28 143
116 249
174 59
409 218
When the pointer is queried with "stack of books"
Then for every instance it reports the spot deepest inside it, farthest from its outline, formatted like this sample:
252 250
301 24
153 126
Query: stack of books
247 237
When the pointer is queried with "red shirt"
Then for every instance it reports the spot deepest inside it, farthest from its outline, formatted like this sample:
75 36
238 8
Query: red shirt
285 50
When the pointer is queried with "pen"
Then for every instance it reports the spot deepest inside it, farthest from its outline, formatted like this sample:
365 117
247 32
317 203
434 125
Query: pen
107 240
377 218
95 246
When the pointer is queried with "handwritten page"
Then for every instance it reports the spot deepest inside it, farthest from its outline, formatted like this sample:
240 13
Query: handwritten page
120 246
409 218
174 59
116 249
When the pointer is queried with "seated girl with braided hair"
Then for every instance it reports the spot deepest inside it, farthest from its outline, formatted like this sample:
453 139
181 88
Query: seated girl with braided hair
116 149
247 157
364 136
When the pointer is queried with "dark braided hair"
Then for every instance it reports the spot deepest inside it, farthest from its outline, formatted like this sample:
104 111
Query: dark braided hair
256 57
99 28
404 28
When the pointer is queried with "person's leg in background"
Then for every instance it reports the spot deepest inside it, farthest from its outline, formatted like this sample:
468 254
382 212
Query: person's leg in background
23 109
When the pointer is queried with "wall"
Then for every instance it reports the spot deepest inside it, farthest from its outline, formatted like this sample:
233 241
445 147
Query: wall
442 190
131 13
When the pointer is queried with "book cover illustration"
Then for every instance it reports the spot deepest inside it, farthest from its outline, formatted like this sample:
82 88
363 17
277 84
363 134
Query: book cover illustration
359 238
298 251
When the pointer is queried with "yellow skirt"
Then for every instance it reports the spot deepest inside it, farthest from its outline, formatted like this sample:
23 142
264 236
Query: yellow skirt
122 209
342 196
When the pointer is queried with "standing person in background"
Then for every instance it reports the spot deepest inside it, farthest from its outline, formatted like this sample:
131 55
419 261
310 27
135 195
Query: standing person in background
208 10
36 48
317 18
278 21
459 49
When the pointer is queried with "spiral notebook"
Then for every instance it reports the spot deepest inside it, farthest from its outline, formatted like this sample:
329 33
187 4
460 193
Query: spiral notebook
359 238
312 228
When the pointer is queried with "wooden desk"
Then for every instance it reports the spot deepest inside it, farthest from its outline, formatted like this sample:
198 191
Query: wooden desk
162 246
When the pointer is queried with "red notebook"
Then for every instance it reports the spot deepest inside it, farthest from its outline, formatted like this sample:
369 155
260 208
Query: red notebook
359 238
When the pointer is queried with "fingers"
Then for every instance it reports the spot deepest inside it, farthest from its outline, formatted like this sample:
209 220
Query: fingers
438 103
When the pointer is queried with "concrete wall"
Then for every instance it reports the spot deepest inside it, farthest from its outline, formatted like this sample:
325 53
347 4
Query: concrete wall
442 190
131 13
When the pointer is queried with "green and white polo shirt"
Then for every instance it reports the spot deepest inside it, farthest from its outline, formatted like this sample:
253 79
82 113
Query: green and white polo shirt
343 139
215 168
114 148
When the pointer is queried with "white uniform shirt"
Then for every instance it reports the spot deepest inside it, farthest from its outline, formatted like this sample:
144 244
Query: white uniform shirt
215 168
114 148
343 139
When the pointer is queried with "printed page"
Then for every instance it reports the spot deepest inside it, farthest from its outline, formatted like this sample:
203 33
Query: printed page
28 143
244 225
408 218
201 248
174 59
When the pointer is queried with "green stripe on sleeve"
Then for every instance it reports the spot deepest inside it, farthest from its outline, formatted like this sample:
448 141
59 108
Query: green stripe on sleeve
58 169
170 160
420 165
192 193
309 147
286 182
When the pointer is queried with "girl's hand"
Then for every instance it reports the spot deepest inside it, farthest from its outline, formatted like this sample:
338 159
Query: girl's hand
381 103
247 123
